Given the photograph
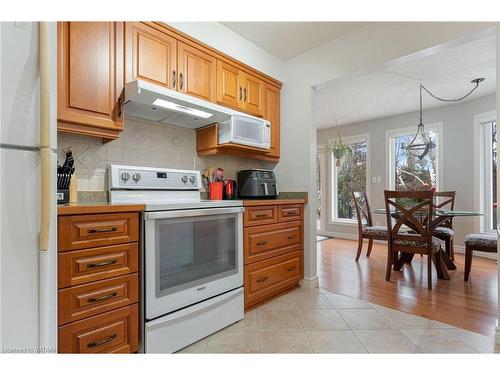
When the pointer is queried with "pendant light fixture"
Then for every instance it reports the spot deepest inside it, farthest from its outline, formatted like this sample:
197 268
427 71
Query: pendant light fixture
421 144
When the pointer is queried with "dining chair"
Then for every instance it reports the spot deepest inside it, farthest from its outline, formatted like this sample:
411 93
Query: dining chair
445 230
366 229
411 209
485 242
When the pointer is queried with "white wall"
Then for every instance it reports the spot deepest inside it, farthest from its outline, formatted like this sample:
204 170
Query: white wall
231 43
457 141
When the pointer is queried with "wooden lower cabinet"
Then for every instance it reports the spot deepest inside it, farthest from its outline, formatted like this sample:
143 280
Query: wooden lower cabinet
112 332
98 280
273 256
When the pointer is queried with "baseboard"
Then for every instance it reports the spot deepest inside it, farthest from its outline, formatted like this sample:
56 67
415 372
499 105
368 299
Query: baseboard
309 282
461 250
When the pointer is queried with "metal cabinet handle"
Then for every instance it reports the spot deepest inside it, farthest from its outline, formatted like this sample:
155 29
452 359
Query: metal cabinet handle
174 79
181 81
102 298
261 216
293 268
245 92
241 93
291 237
103 230
262 243
102 264
262 279
93 344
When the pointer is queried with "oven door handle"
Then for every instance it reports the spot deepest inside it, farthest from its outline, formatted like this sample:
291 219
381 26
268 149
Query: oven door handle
192 213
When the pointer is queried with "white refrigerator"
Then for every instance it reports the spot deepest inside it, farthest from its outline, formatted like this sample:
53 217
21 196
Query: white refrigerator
28 253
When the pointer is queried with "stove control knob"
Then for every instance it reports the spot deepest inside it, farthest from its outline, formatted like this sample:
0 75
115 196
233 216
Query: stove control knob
125 176
184 179
192 179
136 177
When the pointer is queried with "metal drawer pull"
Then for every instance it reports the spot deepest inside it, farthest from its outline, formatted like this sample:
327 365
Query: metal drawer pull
181 81
103 230
261 216
102 298
93 344
290 213
292 237
262 279
241 93
102 264
174 79
245 92
293 268
262 243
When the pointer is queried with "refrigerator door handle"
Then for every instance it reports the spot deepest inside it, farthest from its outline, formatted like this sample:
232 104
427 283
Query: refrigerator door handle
45 152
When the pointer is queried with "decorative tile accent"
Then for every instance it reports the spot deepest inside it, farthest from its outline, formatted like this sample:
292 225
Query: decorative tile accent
88 158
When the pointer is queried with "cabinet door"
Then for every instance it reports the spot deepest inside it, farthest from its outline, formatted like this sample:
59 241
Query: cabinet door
151 55
253 95
229 90
272 113
197 72
88 67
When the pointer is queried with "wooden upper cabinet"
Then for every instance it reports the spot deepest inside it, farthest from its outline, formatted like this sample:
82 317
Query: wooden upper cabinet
196 72
272 113
90 77
150 55
253 94
229 90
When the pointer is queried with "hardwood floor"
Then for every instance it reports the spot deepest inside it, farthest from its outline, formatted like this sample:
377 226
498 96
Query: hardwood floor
472 306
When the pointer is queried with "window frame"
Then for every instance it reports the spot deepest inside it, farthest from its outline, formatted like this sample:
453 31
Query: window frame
480 171
411 130
333 214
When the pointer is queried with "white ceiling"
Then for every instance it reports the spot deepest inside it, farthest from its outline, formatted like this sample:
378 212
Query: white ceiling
288 39
394 88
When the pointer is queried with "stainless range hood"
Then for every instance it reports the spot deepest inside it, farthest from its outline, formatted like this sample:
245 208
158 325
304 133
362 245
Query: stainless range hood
159 104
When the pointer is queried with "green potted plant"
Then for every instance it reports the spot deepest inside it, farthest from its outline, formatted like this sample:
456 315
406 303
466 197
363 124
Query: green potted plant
339 149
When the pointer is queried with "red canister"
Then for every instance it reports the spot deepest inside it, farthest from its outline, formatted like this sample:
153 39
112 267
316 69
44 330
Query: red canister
215 190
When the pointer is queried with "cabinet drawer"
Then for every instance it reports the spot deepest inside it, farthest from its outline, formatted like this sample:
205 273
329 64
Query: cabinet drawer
116 331
290 212
86 231
83 301
84 266
264 242
260 215
267 278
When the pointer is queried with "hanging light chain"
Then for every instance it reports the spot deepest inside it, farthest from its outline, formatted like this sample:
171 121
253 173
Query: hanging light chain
476 81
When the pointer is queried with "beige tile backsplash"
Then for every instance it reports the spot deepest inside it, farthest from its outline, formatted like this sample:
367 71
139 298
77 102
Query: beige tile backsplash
143 143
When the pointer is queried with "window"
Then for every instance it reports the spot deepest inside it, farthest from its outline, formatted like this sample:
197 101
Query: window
407 172
351 176
486 130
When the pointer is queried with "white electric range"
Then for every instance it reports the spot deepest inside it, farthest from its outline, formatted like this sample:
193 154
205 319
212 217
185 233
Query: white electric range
192 269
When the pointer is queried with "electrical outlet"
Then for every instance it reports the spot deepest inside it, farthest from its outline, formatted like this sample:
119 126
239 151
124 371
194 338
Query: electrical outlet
374 179
379 179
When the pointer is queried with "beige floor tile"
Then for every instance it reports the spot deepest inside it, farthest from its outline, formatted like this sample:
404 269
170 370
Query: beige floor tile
399 319
247 325
283 342
278 321
280 303
437 340
335 342
312 302
343 302
322 320
481 343
196 348
364 319
386 341
300 293
228 342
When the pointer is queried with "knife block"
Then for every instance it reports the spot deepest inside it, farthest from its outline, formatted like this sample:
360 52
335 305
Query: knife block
73 194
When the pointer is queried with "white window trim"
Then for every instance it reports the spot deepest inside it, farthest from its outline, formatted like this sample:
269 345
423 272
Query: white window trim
391 133
479 172
333 219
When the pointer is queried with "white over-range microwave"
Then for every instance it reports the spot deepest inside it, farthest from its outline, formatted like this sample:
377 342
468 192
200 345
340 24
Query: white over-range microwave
245 130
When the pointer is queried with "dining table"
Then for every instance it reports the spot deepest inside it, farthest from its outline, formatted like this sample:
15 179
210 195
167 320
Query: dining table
440 216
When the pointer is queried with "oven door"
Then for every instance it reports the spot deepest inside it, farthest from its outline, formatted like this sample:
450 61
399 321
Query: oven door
191 255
